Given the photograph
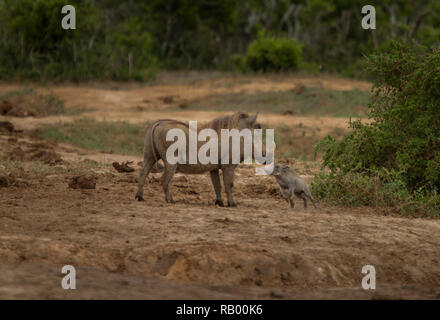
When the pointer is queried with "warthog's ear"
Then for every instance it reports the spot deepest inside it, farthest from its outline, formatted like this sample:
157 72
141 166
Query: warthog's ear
253 119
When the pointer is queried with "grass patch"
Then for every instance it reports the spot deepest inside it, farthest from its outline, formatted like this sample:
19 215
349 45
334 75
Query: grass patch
27 102
35 169
380 190
298 141
312 101
123 138
112 137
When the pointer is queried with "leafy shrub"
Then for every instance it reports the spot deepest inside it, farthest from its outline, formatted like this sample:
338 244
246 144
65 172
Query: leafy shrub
404 135
380 189
273 54
354 189
238 62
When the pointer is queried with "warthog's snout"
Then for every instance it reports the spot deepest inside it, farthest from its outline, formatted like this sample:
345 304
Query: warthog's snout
276 170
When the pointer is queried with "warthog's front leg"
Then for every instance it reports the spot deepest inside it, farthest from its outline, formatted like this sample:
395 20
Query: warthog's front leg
166 178
215 178
283 193
228 180
292 203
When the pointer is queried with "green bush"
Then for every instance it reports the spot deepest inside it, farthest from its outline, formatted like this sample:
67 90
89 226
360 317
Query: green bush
273 54
354 189
404 134
380 189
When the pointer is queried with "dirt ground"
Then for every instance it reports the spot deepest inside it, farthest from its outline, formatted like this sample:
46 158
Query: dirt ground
192 249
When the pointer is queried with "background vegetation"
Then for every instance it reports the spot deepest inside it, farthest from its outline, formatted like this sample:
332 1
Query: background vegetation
127 39
395 159
391 161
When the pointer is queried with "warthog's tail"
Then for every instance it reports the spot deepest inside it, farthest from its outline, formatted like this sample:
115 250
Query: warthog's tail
153 126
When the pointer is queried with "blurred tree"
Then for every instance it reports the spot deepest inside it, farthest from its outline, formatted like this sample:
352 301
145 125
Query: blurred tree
123 39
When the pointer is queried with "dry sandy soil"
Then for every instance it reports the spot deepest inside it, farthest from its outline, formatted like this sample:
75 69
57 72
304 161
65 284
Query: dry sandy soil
192 249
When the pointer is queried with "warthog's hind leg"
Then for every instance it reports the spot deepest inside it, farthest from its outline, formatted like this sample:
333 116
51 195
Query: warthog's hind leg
228 180
215 178
148 164
309 195
168 174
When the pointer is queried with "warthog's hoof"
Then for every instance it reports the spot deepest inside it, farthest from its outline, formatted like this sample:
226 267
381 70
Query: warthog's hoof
171 200
219 203
139 198
231 204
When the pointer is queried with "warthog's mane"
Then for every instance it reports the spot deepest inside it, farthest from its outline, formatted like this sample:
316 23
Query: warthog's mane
170 121
226 122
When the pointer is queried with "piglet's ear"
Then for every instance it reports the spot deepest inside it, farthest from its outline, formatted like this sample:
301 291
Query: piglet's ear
253 119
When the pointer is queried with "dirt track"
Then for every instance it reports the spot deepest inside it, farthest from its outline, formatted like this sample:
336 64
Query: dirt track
192 249
139 103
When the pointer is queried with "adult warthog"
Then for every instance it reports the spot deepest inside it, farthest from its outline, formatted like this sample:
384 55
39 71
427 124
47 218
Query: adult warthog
156 146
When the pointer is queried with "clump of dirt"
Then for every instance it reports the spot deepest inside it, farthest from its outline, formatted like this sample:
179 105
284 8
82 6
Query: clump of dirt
4 182
39 152
140 108
28 103
16 154
6 126
167 99
83 182
289 113
299 88
46 156
184 105
26 151
5 107
123 167
11 179
16 110
253 189
273 191
12 139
